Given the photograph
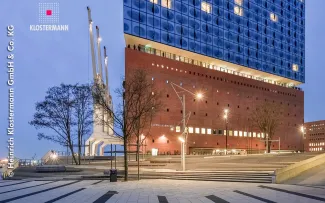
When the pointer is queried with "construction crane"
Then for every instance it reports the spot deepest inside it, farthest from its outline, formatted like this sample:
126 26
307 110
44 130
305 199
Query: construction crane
102 131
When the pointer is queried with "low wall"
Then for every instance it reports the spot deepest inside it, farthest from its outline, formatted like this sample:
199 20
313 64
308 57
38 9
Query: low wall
294 170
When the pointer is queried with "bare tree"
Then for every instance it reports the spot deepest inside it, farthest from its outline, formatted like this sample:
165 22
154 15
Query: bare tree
266 118
83 113
140 103
65 112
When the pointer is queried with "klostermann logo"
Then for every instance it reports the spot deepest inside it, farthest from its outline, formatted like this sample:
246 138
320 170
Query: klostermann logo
49 18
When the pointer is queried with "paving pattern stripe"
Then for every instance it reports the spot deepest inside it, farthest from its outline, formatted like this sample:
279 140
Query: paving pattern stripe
97 182
14 184
294 193
27 187
313 186
65 195
254 197
216 199
105 197
162 199
37 192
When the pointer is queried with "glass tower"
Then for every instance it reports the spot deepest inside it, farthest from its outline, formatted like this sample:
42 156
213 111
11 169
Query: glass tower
265 35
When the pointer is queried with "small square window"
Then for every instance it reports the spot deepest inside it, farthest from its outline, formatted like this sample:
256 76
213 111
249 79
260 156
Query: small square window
202 130
214 131
236 133
197 130
240 133
190 130
206 7
178 129
230 133
209 131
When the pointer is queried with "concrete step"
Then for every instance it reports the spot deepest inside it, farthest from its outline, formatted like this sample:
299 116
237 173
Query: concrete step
226 179
227 176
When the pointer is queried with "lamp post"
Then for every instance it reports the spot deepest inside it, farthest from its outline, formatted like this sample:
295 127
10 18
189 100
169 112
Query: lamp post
183 137
225 116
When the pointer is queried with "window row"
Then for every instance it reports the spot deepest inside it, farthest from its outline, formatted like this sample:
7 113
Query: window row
219 21
224 79
316 149
209 131
317 144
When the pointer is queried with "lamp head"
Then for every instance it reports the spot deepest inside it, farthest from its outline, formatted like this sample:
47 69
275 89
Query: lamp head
199 95
181 139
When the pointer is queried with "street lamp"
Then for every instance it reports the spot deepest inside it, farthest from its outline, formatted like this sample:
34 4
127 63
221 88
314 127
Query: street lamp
225 116
302 129
183 139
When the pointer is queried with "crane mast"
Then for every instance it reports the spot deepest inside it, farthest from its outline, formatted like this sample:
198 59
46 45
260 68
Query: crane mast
106 69
91 36
99 39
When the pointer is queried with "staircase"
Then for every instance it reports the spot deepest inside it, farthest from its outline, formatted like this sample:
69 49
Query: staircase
226 176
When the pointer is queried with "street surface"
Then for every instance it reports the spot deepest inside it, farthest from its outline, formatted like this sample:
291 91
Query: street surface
154 191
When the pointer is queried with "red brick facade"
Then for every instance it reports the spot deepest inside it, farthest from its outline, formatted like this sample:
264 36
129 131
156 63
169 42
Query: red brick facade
314 136
221 91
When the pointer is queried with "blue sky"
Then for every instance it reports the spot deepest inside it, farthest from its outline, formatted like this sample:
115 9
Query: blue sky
45 59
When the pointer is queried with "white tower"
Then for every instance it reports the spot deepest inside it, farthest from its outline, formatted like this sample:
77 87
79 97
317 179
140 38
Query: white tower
103 134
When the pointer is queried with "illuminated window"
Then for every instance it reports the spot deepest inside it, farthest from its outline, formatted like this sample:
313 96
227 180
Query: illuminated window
262 135
254 134
295 67
206 7
245 134
190 130
230 133
224 132
209 131
258 134
197 130
240 133
238 10
178 129
166 3
273 17
154 1
235 133
239 2
202 130
249 134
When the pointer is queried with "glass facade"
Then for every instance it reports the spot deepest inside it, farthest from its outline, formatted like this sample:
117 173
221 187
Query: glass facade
266 35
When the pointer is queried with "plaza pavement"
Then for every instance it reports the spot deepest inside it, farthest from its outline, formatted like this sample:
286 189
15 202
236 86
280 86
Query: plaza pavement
154 191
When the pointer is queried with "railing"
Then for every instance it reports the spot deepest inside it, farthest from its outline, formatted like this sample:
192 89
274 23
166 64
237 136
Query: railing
29 162
183 59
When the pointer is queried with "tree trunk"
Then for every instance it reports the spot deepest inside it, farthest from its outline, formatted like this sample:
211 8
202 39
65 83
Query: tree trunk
125 159
138 156
269 147
79 151
72 153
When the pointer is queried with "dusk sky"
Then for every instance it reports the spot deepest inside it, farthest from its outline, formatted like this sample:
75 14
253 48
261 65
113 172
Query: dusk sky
46 59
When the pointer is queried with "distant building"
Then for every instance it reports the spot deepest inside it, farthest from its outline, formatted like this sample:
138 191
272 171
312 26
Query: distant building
315 136
238 53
